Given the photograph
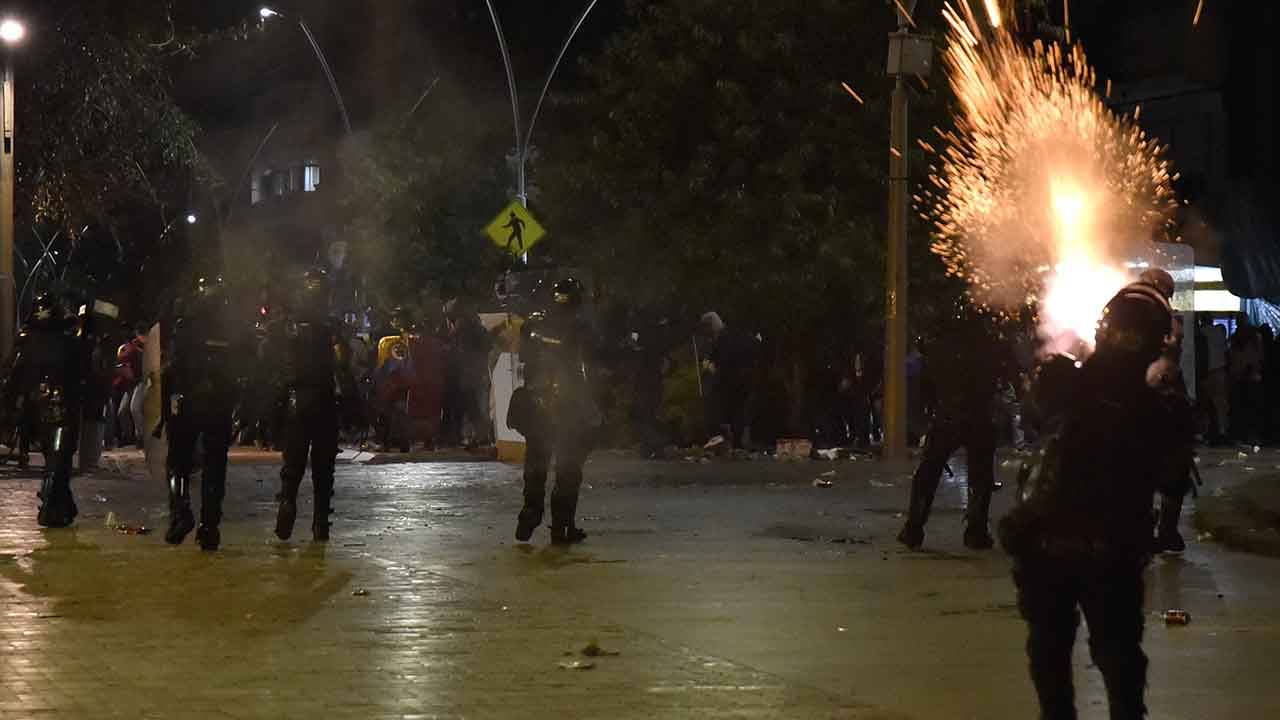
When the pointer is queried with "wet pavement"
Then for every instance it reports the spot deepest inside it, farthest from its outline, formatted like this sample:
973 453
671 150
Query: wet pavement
726 589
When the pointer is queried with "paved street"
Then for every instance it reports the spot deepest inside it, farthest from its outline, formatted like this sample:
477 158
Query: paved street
726 590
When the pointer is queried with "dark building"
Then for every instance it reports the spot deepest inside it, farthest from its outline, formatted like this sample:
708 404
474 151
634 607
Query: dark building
1206 88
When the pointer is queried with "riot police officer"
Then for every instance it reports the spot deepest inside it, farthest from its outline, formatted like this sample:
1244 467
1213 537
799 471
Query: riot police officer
98 337
555 412
45 386
1080 535
199 395
314 380
1165 376
967 363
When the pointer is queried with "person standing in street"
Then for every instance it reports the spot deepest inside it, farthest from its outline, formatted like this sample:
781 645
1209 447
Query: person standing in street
1080 534
729 370
198 394
1216 384
970 362
555 411
44 391
314 383
1165 377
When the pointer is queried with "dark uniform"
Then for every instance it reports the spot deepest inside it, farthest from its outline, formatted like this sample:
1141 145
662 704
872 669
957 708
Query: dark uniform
45 388
99 339
555 412
199 396
968 365
1165 376
1080 535
314 380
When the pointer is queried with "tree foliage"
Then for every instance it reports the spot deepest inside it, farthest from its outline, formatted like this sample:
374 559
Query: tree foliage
104 154
424 190
718 160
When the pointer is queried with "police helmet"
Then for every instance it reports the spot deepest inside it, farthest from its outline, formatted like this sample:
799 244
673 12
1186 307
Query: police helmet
1160 280
1135 322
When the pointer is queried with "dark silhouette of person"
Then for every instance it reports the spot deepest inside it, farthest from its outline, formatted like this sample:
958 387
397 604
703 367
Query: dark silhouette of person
516 226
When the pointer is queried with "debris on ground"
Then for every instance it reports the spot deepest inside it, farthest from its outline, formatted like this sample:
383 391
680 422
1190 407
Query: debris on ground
100 498
576 665
359 592
794 449
111 520
829 453
126 529
822 482
593 649
1177 617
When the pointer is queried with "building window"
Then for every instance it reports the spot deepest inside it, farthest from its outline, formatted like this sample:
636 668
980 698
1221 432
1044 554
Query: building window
295 179
279 183
255 190
311 178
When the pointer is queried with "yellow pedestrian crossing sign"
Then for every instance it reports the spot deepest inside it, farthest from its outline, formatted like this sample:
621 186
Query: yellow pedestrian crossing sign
514 231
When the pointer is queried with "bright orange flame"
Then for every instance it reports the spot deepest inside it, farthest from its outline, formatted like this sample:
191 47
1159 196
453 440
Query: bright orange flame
993 12
1040 189
1073 300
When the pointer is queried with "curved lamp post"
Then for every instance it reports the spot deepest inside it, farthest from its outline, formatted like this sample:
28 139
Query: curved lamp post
266 13
523 139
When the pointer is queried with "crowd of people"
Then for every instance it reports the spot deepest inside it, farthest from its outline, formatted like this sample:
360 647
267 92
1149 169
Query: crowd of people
1238 382
1115 430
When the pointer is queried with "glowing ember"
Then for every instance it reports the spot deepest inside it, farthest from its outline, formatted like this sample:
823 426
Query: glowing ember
1040 192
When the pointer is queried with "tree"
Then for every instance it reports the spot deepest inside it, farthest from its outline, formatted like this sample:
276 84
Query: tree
105 157
425 189
717 163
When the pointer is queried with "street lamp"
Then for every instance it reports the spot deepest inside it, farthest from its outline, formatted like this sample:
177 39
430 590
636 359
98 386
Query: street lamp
12 33
522 140
190 218
266 13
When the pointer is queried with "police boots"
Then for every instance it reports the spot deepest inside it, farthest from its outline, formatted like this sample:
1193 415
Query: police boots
324 507
912 533
563 530
288 511
57 507
208 534
976 534
181 521
535 494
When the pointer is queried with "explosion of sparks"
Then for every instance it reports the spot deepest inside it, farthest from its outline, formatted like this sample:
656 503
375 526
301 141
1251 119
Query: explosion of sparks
1040 191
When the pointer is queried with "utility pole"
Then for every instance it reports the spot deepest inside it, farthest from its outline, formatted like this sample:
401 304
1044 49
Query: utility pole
8 312
908 55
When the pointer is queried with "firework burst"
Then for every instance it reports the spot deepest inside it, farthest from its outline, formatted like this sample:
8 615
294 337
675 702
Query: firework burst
1040 191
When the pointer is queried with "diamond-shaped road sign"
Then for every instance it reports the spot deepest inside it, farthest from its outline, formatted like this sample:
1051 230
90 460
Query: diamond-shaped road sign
514 231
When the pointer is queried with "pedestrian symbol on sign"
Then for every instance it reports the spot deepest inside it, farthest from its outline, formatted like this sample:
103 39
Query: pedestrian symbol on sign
514 230
516 226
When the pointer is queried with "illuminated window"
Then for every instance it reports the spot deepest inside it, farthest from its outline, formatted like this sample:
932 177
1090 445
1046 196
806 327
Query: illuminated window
311 178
